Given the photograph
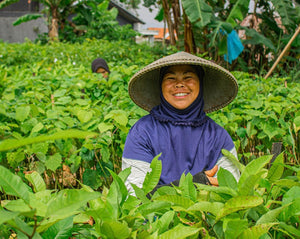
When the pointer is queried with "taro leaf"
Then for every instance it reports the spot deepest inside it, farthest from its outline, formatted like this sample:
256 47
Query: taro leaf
198 12
37 128
277 168
239 203
37 181
204 206
63 134
119 116
22 113
7 216
13 185
226 179
102 127
61 229
152 178
253 168
53 162
84 116
115 229
69 202
256 231
180 231
27 18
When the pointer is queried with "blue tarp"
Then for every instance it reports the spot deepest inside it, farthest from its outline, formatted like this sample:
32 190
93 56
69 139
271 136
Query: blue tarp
234 46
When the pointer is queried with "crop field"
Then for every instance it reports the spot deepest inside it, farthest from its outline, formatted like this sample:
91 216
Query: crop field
63 128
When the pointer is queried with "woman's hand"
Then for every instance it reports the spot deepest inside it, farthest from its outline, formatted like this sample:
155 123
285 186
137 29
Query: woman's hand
210 175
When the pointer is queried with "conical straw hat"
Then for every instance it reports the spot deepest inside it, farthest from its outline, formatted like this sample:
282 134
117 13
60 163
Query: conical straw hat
219 85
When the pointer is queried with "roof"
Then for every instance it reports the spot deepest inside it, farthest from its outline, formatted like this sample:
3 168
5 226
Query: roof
126 13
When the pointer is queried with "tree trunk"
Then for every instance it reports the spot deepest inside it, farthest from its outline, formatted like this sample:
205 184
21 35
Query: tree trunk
168 18
189 42
176 14
53 28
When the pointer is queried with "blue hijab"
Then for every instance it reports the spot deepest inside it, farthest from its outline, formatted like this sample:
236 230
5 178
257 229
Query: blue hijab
188 140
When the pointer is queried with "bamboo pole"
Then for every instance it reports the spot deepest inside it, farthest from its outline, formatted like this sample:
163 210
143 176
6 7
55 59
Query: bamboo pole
283 52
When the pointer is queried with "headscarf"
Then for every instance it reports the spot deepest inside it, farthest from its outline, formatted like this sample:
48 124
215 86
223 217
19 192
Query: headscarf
193 115
99 62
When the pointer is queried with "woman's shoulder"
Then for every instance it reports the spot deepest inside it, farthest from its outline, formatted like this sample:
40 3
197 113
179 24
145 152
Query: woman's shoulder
143 123
217 127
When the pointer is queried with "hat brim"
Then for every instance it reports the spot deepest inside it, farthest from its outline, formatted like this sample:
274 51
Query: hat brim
219 85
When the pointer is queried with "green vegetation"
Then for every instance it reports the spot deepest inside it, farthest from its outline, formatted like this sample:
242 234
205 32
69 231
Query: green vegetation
62 130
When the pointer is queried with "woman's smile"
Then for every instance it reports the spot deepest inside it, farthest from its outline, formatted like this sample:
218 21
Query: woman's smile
180 86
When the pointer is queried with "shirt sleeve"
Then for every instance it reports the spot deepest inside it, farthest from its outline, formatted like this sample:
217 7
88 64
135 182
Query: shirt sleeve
226 163
137 155
138 173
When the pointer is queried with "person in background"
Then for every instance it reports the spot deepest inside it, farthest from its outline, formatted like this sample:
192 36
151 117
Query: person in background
178 90
100 66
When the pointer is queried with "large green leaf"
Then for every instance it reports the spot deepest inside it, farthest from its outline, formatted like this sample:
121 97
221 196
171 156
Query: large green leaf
7 2
37 181
13 184
277 168
27 18
179 232
7 215
255 38
204 206
152 178
69 202
176 200
239 203
198 12
271 216
64 134
115 229
253 168
256 231
60 230
226 179
238 12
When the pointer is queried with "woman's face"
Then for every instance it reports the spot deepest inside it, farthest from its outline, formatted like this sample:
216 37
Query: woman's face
180 86
102 71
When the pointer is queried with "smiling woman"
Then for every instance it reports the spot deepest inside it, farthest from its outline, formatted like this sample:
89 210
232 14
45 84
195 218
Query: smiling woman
178 91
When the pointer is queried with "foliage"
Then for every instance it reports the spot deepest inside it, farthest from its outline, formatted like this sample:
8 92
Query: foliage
248 209
54 179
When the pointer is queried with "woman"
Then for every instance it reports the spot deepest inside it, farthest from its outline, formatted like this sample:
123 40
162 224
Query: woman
178 91
100 66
